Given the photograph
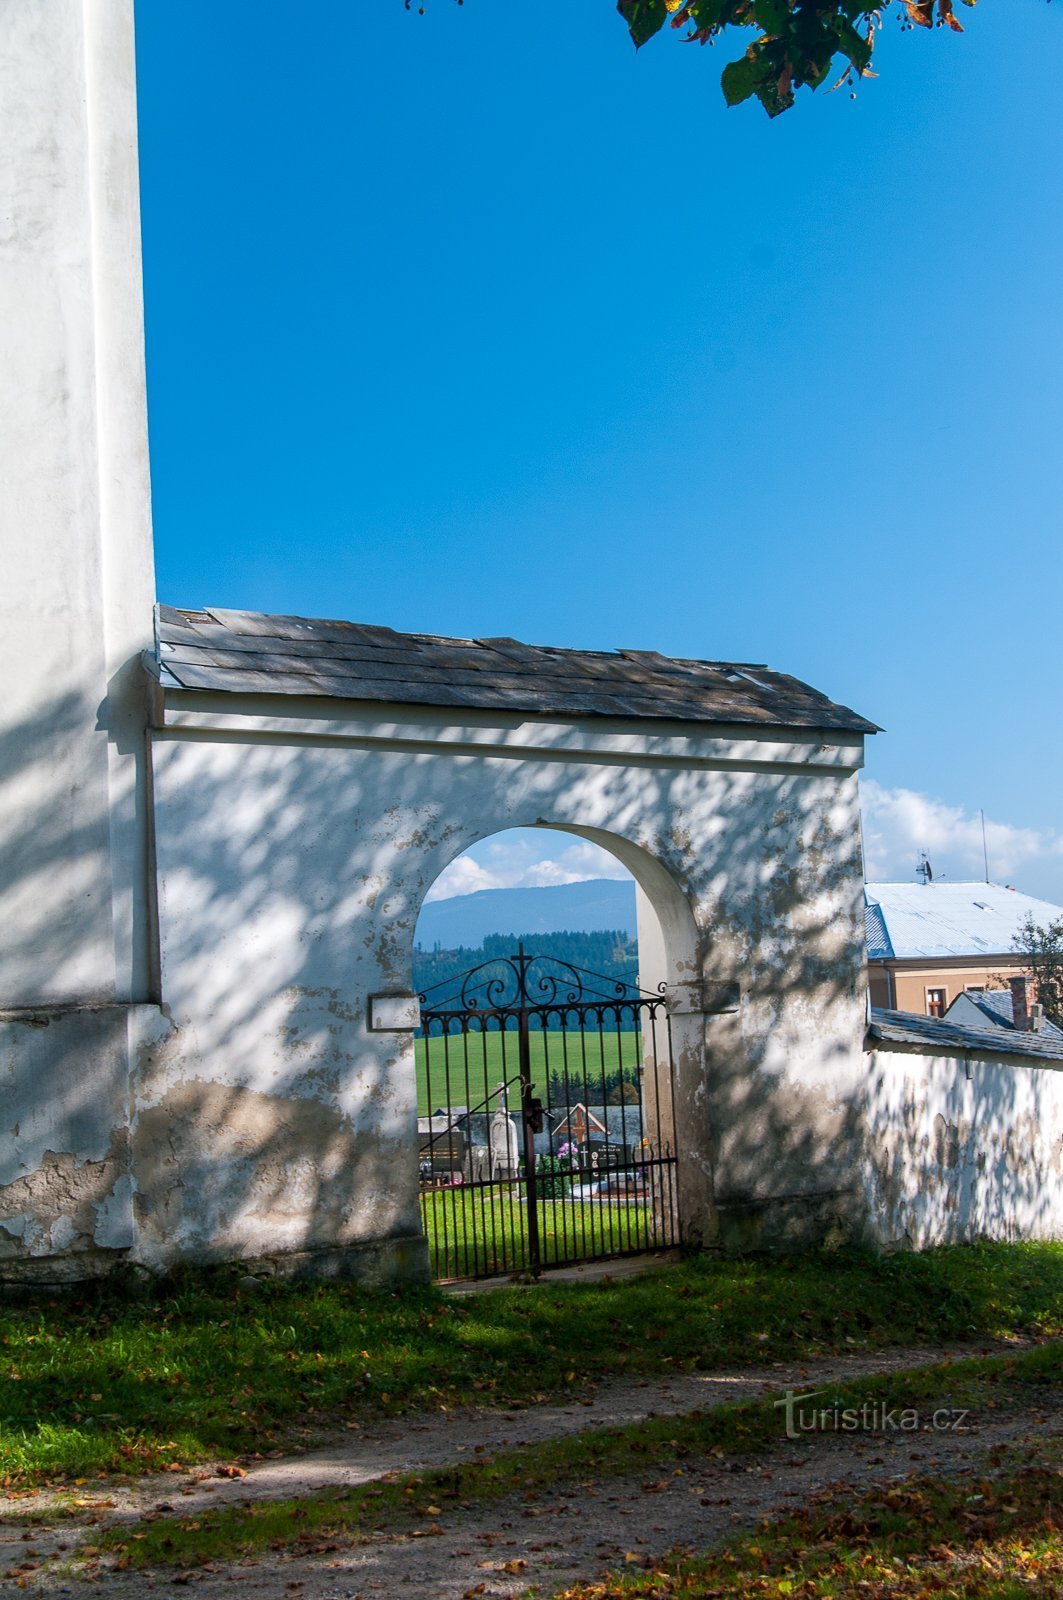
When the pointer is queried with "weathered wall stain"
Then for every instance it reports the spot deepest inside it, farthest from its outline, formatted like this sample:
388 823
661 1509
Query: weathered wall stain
224 1171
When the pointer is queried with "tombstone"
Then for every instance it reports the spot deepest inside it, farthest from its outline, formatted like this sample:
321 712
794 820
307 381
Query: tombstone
478 1164
505 1157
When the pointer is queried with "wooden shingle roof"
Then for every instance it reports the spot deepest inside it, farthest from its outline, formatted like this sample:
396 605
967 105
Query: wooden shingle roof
242 652
906 1030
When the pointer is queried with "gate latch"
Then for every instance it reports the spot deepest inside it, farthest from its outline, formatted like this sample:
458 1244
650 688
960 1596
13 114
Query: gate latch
535 1116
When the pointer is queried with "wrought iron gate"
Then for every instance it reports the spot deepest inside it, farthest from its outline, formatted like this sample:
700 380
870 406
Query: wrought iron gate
545 1118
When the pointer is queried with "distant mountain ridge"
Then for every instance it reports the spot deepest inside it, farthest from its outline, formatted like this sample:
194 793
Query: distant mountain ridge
468 919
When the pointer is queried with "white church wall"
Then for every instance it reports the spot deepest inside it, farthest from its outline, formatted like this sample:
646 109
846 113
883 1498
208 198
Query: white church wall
77 591
75 613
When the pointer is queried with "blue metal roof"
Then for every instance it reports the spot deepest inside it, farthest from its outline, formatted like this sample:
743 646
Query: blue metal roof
879 947
909 920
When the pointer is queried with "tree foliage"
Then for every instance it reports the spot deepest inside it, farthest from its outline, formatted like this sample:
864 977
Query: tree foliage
797 43
609 951
554 1177
1042 950
619 1088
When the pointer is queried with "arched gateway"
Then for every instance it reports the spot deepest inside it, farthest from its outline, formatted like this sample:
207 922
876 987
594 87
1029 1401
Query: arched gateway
213 846
312 779
309 781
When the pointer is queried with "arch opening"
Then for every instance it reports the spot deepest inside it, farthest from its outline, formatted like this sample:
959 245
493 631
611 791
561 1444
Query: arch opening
545 1097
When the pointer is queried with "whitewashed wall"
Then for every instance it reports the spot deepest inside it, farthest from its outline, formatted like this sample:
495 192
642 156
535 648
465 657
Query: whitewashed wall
961 1149
77 585
76 595
295 848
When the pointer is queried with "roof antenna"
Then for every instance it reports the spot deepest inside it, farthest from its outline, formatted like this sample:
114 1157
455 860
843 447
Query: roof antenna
924 870
985 852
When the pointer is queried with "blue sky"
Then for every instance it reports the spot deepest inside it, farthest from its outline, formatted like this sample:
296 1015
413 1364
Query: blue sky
470 325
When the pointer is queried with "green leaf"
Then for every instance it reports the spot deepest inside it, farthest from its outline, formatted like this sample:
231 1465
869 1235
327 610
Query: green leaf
772 101
708 13
852 44
740 79
774 16
644 18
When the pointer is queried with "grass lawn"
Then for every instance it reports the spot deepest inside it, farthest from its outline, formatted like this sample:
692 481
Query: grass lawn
463 1069
479 1231
194 1369
653 1445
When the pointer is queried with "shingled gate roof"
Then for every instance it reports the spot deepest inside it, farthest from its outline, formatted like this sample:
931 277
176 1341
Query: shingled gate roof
242 652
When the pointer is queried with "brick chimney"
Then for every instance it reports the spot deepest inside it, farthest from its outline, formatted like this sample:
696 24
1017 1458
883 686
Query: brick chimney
1021 1002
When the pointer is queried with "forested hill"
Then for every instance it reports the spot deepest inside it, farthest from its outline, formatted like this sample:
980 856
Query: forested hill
610 951
466 920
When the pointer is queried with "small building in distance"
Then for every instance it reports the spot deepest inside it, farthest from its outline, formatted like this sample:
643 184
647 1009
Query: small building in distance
927 943
1014 1009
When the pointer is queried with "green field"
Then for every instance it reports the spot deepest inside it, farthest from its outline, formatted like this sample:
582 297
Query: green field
463 1069
483 1231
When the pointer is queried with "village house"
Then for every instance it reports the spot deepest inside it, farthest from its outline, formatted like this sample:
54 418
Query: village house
1014 1009
929 942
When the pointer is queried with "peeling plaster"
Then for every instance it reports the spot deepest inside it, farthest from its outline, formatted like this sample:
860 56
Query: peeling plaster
58 1208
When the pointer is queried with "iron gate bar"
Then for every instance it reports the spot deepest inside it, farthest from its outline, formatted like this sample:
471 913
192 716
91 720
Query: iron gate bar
623 1195
531 1188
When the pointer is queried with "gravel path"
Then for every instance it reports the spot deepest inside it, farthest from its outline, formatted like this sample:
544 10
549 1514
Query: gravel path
508 1546
406 1445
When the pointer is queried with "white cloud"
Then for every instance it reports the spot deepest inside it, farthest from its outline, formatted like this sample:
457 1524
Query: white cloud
516 861
901 823
544 873
463 876
898 825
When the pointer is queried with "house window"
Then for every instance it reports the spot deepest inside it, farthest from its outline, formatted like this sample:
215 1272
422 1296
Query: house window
935 1002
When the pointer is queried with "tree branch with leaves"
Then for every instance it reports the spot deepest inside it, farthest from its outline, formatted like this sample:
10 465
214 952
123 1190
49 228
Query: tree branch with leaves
1042 952
798 43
